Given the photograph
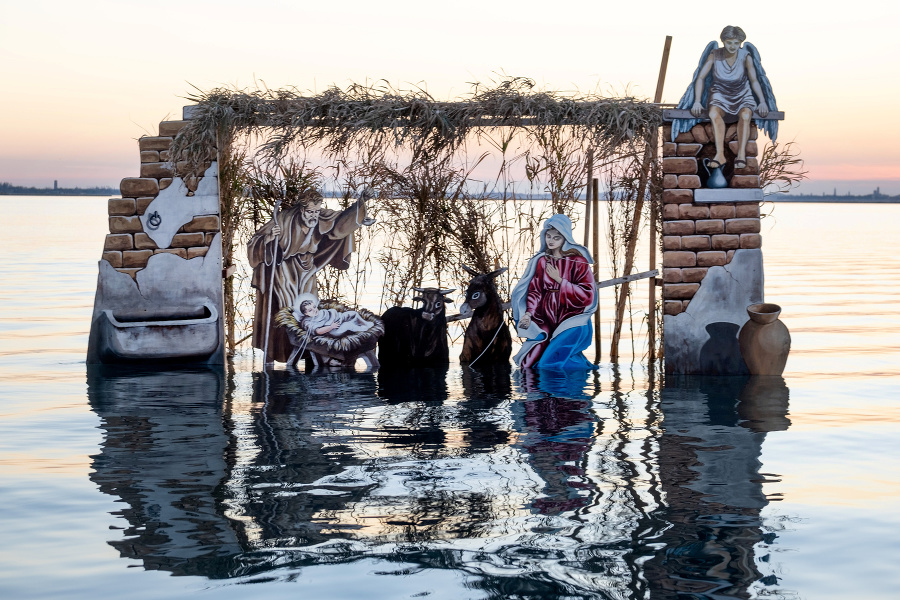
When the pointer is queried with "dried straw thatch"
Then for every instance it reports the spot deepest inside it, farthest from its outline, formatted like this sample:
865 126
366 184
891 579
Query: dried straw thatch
371 116
433 213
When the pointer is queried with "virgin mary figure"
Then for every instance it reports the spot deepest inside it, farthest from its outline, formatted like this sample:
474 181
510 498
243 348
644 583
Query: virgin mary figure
554 300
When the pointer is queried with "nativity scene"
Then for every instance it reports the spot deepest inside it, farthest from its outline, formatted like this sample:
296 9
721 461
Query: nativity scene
439 228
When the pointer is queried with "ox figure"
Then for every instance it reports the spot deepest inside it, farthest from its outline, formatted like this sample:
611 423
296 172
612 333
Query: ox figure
416 337
487 340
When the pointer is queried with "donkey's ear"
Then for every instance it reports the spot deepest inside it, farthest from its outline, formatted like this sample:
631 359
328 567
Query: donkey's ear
470 271
497 272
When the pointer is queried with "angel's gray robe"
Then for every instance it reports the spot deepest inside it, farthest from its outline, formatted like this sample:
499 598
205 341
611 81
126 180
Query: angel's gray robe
730 87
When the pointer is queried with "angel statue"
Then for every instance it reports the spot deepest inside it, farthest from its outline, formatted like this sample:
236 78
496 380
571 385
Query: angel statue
729 81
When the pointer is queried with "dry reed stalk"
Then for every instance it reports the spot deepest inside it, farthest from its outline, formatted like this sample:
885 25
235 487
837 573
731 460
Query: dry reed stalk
780 168
630 248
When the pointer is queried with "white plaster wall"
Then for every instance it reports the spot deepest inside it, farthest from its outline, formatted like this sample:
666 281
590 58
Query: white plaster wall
703 339
175 208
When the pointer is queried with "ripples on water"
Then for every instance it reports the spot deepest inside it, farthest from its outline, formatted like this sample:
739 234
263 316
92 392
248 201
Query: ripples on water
451 483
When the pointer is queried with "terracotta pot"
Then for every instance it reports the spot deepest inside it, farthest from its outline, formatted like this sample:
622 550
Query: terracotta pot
764 340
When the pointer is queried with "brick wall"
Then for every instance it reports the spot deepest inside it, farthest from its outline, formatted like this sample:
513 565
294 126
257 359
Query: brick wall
127 248
697 236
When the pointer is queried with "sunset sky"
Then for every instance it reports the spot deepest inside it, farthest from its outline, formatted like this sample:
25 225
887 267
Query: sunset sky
83 81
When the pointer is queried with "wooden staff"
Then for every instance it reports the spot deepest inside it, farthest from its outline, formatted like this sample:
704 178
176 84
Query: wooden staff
271 285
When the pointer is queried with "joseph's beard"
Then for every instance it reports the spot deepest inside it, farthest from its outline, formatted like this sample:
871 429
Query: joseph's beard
310 221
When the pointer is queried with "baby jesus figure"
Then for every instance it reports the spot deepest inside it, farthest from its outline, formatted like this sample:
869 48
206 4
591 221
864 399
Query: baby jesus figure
329 321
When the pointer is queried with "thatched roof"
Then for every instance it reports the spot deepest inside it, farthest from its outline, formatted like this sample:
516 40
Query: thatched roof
363 116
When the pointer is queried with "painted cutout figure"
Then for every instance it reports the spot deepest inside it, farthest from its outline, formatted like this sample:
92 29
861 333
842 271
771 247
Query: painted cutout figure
730 82
296 244
554 300
328 321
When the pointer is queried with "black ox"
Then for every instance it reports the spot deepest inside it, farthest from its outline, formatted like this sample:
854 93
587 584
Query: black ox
487 340
416 337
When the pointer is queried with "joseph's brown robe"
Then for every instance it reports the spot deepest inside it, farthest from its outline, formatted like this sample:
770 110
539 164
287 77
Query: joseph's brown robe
301 252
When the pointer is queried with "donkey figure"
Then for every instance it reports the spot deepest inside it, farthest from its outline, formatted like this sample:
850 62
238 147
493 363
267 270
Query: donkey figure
487 339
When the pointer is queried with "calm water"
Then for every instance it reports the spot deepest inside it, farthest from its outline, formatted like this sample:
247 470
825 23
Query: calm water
454 484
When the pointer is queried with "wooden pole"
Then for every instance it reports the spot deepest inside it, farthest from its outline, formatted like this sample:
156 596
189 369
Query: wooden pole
651 321
638 209
654 207
595 196
663 66
587 198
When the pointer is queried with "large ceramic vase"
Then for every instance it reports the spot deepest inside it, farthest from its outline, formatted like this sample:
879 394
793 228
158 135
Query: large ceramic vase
764 340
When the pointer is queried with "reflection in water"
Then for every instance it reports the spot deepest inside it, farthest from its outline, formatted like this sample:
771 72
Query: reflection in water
531 484
709 468
164 456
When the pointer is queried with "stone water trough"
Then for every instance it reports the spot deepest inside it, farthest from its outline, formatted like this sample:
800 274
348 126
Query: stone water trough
166 337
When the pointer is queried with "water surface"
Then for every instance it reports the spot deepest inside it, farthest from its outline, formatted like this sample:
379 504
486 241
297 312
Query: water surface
452 483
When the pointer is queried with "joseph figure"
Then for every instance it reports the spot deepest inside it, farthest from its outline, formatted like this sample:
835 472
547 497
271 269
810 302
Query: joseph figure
296 244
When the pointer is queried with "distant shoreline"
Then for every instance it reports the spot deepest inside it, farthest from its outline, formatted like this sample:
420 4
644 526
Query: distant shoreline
7 189
13 190
836 199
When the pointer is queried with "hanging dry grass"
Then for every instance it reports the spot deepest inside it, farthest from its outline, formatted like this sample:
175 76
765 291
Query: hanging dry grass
432 215
379 116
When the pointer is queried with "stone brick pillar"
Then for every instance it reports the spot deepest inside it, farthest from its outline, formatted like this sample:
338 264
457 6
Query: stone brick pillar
159 291
128 247
712 258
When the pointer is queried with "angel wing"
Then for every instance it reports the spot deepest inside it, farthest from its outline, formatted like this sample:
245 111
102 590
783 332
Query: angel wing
687 101
769 126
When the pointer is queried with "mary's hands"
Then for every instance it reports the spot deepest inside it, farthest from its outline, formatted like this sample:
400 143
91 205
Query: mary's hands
525 321
553 273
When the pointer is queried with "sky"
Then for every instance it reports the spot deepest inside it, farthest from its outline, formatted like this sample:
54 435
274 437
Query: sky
81 82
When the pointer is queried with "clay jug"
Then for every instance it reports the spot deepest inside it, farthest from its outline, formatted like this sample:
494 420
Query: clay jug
716 178
764 340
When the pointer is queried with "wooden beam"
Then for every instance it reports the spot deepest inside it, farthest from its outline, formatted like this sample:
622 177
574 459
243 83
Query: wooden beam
627 278
682 113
